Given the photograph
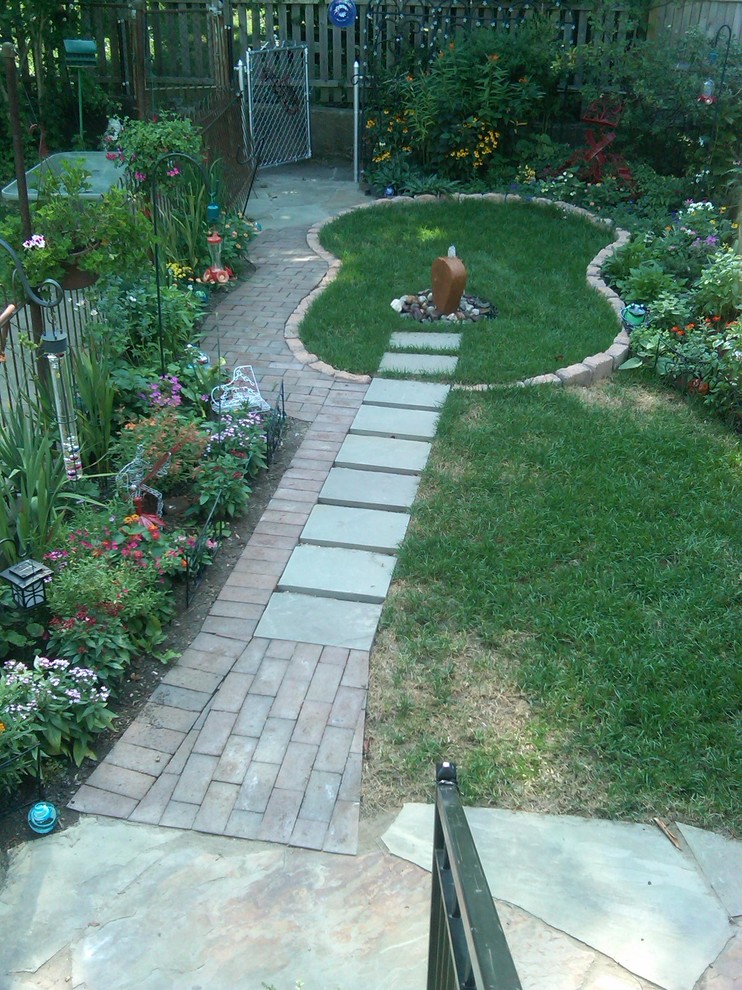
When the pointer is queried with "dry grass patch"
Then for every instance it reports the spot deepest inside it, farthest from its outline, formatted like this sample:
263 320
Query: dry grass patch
469 710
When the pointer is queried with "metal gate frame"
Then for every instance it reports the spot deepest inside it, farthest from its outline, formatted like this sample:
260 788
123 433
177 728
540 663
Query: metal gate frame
277 104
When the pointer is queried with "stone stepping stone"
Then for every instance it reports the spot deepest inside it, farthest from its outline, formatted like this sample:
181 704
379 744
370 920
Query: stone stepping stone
410 395
325 621
418 364
430 341
393 492
357 529
336 572
404 424
383 454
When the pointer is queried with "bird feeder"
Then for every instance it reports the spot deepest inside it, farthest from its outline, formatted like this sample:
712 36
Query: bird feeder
80 53
216 272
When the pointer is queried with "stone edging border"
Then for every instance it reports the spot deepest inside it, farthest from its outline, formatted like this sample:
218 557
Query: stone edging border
590 370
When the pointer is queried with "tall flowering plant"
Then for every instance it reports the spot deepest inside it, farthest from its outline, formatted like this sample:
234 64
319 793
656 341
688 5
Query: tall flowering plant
138 145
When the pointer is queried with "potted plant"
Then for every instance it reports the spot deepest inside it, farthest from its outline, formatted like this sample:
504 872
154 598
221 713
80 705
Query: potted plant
77 238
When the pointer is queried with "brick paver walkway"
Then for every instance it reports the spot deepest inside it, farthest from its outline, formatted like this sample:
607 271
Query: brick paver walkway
251 737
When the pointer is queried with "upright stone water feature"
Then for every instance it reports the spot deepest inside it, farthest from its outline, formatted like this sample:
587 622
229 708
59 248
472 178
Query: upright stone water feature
448 277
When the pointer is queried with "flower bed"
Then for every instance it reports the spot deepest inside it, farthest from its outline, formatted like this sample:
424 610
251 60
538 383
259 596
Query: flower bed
689 277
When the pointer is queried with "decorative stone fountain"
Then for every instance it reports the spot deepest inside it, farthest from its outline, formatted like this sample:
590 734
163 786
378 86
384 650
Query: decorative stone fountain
446 300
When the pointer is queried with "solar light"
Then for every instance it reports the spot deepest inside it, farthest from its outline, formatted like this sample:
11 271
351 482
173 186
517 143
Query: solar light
27 580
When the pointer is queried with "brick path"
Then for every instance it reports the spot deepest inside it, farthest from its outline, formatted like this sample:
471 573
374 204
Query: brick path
256 738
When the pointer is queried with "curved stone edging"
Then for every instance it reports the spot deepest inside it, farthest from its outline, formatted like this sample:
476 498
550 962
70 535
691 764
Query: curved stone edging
592 369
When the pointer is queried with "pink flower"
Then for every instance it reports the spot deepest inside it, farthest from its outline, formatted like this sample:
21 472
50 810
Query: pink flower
35 241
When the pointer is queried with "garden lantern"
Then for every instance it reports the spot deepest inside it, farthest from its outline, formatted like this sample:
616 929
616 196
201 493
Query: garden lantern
216 272
27 580
634 316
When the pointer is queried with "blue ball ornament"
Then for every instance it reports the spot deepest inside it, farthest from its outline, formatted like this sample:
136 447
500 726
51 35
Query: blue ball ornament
42 817
342 13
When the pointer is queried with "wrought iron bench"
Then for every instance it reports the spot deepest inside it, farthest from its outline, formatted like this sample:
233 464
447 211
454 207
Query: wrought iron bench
242 391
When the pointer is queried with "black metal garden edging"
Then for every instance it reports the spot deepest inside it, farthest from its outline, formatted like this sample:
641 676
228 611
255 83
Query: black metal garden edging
196 557
467 947
36 751
275 426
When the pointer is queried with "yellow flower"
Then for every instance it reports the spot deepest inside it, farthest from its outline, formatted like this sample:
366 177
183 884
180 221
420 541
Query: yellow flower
2 727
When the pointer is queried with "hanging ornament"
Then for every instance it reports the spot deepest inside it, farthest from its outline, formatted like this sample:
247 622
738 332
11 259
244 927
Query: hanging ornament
342 13
54 342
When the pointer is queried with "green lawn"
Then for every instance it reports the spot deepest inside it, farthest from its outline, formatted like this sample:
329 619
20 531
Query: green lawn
529 260
566 613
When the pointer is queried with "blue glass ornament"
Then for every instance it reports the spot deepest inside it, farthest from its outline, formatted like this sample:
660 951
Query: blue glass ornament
42 817
342 13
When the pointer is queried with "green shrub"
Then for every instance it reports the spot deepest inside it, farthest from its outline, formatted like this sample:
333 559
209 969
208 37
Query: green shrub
133 323
59 706
718 290
139 145
454 116
163 433
647 281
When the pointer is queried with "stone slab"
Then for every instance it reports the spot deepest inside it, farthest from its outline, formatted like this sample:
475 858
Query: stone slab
357 529
136 907
412 395
418 364
383 454
327 621
381 490
720 861
404 424
335 572
428 341
621 888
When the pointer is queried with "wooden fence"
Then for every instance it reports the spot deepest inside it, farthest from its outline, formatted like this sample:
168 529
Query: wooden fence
165 49
677 17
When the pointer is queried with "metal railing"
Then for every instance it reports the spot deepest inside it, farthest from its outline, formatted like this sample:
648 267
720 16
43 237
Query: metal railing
467 948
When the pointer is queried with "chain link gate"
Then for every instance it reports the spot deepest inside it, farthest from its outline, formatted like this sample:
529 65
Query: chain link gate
277 104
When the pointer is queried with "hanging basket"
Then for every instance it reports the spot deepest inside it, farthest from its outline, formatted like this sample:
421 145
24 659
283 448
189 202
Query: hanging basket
76 276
